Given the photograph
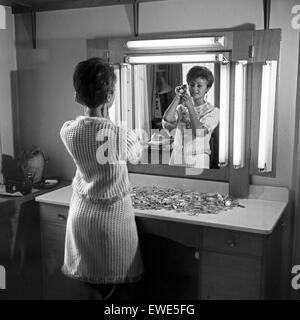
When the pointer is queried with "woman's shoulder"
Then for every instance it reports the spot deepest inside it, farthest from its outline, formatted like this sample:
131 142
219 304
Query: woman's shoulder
213 109
67 125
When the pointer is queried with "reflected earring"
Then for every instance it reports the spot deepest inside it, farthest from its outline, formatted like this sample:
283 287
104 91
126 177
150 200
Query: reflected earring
205 97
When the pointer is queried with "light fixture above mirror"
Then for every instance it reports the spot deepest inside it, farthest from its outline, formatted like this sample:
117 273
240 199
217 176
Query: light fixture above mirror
176 58
179 43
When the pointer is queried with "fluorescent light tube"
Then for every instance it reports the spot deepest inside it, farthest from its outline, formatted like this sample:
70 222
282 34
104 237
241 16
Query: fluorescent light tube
114 110
239 115
224 114
267 111
175 43
173 58
126 96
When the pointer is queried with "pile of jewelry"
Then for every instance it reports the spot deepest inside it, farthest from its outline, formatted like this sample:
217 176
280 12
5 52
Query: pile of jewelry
193 203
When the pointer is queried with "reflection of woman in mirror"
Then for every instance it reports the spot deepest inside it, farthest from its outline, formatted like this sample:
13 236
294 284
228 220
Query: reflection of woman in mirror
193 119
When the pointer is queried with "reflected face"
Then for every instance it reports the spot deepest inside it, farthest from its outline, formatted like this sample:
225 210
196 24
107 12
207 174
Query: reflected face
198 88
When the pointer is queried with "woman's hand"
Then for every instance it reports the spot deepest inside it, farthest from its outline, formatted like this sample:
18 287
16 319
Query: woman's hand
187 100
180 90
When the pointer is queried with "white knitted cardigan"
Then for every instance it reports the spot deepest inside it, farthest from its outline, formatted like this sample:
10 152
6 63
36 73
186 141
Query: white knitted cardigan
101 243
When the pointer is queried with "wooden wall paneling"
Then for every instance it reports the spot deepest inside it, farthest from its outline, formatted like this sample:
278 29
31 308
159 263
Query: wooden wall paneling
266 45
116 47
242 43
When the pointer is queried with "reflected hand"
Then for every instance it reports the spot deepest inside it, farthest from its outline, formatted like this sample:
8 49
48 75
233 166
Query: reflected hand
187 100
180 90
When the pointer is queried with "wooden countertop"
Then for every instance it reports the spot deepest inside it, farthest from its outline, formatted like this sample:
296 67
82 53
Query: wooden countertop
260 215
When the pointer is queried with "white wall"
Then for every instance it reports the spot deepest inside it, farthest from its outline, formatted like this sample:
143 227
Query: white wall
47 89
7 65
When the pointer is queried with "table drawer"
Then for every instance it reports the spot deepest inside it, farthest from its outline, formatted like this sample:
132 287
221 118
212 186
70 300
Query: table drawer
53 214
229 241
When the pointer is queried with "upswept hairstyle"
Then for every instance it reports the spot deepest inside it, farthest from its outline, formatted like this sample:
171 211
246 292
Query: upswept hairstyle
93 80
200 72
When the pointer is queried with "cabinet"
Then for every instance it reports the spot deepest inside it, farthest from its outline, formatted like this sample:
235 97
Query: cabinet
182 260
211 263
55 284
20 245
231 265
7 212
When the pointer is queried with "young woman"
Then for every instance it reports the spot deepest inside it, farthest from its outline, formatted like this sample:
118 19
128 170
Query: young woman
101 245
193 119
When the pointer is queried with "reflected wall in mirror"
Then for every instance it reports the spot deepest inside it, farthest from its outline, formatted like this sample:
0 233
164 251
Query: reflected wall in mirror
175 134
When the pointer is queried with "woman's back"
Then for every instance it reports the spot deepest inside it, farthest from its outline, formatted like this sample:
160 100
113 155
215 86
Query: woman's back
100 150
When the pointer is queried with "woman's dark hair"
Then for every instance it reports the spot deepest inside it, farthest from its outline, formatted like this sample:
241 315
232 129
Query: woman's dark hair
200 72
93 80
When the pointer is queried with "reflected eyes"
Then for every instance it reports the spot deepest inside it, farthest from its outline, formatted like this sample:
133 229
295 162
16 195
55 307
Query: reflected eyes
197 86
192 86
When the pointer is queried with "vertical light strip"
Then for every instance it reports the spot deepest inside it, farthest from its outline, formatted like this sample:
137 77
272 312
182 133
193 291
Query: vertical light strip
2 17
224 114
126 96
267 111
115 109
141 102
239 115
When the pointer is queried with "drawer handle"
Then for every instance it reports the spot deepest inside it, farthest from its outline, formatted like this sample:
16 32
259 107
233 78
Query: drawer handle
231 243
61 217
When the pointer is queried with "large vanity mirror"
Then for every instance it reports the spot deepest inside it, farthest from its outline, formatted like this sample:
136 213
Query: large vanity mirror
149 105
151 90
230 117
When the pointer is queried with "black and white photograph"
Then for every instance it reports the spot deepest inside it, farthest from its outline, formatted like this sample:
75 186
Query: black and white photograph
149 153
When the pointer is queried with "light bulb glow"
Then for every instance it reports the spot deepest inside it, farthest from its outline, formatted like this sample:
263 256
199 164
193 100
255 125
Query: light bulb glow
175 43
114 110
174 58
239 115
224 114
267 112
126 95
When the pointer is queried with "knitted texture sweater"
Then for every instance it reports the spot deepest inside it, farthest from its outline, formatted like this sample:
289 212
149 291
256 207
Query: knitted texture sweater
101 244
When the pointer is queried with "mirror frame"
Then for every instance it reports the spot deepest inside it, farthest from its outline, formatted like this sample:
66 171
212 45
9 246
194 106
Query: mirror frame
249 45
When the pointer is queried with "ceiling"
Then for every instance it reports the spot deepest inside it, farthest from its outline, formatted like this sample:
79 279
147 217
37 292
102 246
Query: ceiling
20 6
